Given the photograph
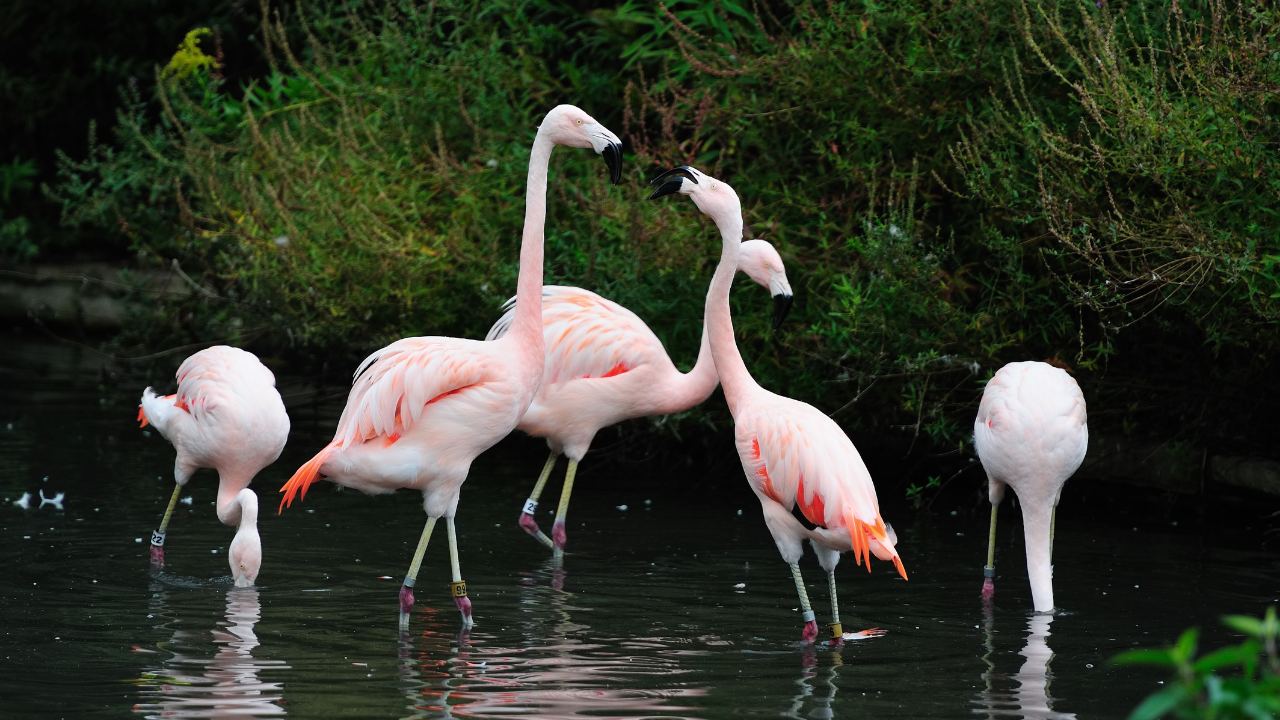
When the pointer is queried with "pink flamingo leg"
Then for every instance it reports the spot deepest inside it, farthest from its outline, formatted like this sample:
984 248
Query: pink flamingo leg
810 632
157 555
528 522
406 599
988 589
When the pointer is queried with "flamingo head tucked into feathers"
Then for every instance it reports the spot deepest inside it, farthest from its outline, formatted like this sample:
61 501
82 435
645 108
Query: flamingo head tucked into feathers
569 125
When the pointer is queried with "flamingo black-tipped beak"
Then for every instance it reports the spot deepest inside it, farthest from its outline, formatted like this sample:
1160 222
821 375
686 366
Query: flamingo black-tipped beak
671 181
781 306
613 160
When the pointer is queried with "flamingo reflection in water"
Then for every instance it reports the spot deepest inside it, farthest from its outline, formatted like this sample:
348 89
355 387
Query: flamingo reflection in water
224 686
555 673
1031 700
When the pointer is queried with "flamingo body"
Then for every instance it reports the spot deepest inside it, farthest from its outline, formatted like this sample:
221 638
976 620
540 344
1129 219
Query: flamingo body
792 454
226 415
1031 433
604 365
421 409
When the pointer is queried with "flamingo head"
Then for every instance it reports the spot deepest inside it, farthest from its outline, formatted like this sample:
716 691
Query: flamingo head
715 198
569 125
762 263
245 554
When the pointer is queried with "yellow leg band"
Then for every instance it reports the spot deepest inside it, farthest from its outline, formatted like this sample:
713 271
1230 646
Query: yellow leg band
837 630
458 589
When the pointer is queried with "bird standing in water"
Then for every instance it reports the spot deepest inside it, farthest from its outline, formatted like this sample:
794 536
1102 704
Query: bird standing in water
791 452
226 415
421 409
1031 434
604 365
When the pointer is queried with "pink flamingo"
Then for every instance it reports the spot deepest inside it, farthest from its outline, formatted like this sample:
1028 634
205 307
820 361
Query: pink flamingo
792 453
421 409
226 415
1031 434
604 365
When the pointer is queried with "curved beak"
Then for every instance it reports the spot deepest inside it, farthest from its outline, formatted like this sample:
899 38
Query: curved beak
671 181
613 160
781 306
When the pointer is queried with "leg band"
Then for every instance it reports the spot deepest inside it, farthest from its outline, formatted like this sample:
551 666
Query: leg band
409 581
157 538
808 616
530 506
837 630
988 572
458 589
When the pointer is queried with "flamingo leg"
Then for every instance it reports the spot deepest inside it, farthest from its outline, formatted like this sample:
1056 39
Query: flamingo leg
837 630
810 631
406 590
989 572
458 588
557 530
157 536
1053 521
527 520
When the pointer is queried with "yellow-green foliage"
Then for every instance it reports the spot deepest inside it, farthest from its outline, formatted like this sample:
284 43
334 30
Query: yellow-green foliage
189 59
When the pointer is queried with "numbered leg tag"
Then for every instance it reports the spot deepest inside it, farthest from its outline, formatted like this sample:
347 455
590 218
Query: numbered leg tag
837 631
530 506
458 589
157 538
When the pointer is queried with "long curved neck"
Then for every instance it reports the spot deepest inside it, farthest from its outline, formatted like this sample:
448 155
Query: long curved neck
692 388
733 373
526 326
239 508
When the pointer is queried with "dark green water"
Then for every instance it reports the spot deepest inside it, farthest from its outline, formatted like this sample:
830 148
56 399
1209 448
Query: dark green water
645 620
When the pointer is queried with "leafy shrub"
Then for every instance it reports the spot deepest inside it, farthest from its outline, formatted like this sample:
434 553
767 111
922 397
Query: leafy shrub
1199 691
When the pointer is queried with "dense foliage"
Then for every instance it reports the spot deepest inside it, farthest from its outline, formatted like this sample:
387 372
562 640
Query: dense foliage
1200 688
953 184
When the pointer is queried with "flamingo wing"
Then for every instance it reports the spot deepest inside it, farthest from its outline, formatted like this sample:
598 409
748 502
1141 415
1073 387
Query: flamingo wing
206 378
587 336
392 390
795 455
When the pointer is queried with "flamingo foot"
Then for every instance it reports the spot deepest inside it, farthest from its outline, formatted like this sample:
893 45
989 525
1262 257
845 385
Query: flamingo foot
464 606
810 632
406 600
988 589
529 524
557 579
157 555
863 635
558 535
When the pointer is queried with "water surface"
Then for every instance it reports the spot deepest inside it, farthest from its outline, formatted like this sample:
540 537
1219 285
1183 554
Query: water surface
679 607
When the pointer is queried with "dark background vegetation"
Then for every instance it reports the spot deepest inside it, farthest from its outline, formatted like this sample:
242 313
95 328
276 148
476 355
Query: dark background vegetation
955 184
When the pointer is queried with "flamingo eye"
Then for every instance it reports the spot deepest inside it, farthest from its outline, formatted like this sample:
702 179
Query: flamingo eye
579 121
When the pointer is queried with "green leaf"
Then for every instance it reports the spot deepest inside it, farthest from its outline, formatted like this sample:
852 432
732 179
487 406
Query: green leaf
1185 648
1244 624
1227 657
1162 657
1157 705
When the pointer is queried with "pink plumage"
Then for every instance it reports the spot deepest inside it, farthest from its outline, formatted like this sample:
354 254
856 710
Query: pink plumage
1031 433
604 365
226 415
791 453
421 409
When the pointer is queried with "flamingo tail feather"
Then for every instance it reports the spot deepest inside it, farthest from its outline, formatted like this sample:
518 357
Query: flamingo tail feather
307 474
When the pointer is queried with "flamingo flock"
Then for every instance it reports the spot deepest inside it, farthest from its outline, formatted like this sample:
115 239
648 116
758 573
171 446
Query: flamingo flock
561 364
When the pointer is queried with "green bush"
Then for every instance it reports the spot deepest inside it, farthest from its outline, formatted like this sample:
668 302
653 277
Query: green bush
953 185
1198 690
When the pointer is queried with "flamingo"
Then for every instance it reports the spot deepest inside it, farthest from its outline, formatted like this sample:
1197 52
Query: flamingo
227 415
604 365
422 408
1031 434
791 452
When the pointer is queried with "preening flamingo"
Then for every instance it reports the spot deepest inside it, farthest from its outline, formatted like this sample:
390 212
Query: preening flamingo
421 409
1031 434
791 452
226 415
604 365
